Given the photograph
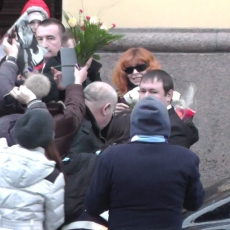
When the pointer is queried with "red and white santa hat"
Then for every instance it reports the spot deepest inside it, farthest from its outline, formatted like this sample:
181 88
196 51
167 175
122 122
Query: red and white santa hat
37 10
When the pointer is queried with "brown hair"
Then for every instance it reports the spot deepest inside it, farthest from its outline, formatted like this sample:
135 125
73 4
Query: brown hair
52 154
131 57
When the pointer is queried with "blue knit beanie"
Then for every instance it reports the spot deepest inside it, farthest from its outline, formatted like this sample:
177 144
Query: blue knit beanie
150 117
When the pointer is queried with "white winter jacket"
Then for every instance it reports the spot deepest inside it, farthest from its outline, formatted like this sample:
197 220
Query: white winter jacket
31 190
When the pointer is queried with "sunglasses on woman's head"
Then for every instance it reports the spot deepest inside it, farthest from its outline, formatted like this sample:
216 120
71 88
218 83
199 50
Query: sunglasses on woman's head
138 68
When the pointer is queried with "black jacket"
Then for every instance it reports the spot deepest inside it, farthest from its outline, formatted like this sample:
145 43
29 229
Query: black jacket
78 170
79 165
181 133
54 94
88 138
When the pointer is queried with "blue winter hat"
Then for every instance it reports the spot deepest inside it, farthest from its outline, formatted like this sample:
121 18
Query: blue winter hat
150 117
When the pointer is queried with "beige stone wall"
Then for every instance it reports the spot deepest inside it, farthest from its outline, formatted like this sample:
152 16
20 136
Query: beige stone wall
156 13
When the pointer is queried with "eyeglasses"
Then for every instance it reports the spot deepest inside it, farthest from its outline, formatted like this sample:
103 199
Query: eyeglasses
138 68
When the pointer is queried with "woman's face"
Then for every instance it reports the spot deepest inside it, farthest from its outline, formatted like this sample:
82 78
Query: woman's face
34 25
135 72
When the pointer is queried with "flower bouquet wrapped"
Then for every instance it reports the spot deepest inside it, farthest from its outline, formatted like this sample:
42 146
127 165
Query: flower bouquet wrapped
90 35
185 104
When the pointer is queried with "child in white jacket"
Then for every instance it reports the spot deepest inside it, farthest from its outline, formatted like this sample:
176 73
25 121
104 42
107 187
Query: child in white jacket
31 184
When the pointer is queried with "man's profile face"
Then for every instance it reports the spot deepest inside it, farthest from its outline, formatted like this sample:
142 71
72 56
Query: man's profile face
153 88
49 37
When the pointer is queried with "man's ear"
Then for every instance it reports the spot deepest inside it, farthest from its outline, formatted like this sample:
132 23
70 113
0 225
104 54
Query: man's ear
106 109
169 96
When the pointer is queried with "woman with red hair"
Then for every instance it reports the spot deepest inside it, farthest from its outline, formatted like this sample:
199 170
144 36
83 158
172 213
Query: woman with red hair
129 69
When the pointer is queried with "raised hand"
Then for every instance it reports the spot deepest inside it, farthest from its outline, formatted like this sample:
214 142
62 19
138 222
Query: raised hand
121 107
23 94
81 74
57 77
10 50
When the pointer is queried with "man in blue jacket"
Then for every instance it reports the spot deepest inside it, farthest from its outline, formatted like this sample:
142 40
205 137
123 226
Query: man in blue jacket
146 183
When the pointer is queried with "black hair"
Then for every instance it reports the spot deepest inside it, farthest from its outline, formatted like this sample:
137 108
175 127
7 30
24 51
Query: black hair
160 75
53 21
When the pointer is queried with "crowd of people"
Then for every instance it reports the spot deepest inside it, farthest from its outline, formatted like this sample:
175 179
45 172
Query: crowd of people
78 157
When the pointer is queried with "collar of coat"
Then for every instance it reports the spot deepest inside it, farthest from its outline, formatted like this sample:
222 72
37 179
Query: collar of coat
90 117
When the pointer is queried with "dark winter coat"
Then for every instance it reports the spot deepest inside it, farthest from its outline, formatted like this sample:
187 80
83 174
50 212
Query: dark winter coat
145 186
181 133
88 138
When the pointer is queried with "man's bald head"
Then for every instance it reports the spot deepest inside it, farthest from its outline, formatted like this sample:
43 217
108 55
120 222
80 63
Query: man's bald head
101 99
99 93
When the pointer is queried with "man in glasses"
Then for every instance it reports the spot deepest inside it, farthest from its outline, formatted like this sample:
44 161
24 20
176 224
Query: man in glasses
160 84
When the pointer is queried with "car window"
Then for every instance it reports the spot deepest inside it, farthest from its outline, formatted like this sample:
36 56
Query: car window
219 213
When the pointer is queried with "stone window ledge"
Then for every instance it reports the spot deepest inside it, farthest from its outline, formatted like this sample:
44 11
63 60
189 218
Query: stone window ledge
173 40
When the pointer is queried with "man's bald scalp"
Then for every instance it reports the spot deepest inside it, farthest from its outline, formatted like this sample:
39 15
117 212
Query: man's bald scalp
100 93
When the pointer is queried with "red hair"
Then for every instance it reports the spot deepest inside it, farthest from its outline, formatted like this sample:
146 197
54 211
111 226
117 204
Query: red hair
131 57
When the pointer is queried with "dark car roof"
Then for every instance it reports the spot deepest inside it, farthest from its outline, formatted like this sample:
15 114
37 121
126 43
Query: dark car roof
215 192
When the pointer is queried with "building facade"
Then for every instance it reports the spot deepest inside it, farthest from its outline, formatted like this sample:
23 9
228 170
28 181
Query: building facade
191 40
